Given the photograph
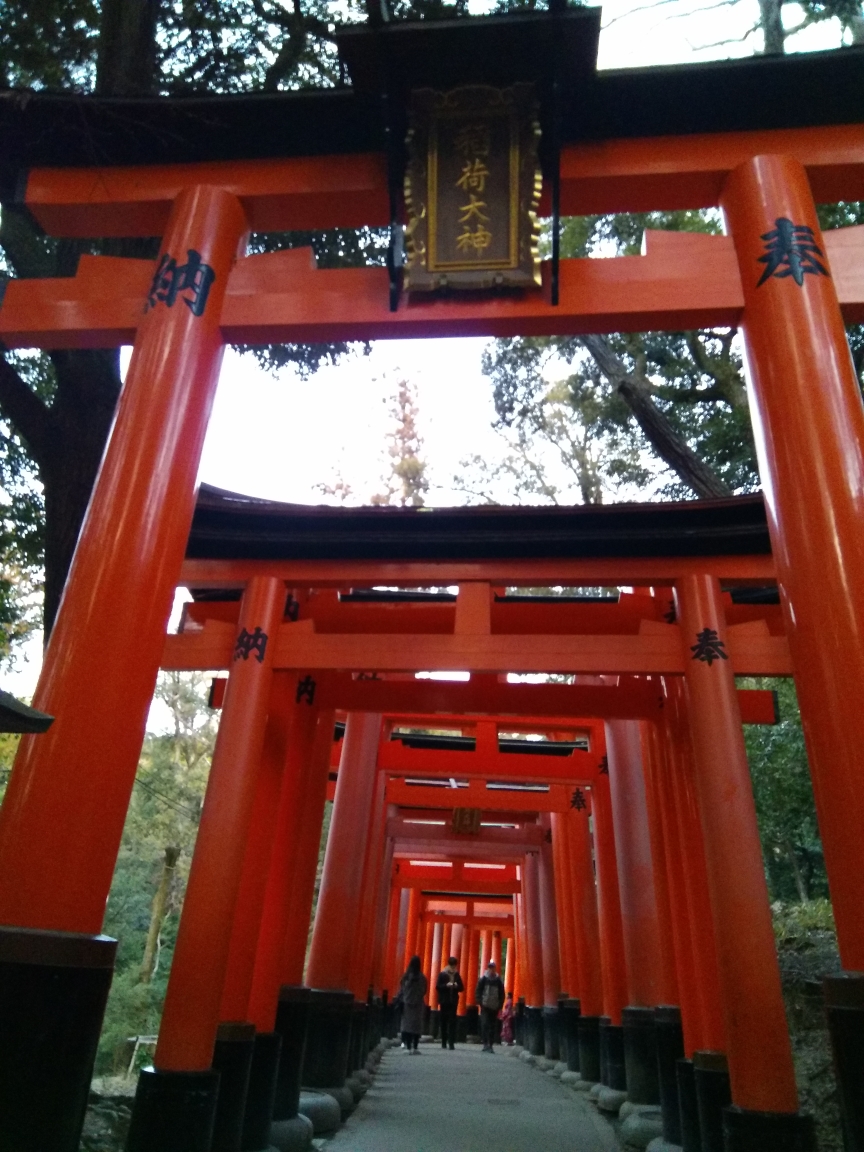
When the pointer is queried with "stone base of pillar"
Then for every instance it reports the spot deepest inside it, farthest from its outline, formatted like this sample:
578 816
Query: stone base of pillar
551 1042
292 1135
640 1124
519 1022
323 1111
609 1100
534 1039
292 1022
745 1131
461 1029
173 1111
612 1068
568 1033
261 1094
232 1059
640 1055
662 1145
844 1006
328 1039
688 1106
344 1097
670 1049
434 1023
357 1045
53 989
713 1094
588 1029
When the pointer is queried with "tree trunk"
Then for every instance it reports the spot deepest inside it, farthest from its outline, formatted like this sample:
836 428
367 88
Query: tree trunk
126 63
634 389
771 19
157 913
800 883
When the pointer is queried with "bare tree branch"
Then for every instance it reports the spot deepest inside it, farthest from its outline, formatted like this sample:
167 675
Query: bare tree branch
30 417
635 390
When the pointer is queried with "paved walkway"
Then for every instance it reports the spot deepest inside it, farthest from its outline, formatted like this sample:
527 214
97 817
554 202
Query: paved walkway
467 1101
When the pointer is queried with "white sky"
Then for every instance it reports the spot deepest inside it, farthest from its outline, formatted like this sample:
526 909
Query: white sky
279 436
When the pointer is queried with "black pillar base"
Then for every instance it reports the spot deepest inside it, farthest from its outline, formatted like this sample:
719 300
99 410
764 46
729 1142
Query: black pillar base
328 1037
551 1042
640 1055
745 1131
292 1022
589 1048
261 1094
53 988
688 1106
568 1032
434 1023
173 1111
232 1059
670 1049
844 1006
357 1045
519 1022
534 1040
713 1094
461 1029
612 1068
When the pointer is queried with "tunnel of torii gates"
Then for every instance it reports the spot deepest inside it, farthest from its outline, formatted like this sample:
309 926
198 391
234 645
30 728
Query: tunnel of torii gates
666 942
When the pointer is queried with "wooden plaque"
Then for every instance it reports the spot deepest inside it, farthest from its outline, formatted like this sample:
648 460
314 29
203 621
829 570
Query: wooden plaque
472 188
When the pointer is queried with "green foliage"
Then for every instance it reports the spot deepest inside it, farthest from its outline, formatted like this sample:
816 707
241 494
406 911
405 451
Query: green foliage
48 43
784 800
550 392
164 812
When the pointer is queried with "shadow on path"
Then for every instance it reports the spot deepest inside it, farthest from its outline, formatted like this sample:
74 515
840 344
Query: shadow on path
469 1101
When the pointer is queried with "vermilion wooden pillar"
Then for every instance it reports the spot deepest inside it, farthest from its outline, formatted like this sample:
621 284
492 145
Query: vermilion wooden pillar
654 801
281 948
808 425
485 949
436 963
414 902
509 964
428 945
334 935
760 1058
711 1033
534 957
614 969
586 920
676 868
361 976
471 939
568 959
397 960
551 946
291 886
496 950
191 1010
636 879
273 776
380 937
392 934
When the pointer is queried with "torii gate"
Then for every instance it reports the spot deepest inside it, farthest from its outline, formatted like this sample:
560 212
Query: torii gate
62 818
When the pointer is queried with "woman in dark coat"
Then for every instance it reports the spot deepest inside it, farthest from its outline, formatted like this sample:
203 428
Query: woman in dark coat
412 989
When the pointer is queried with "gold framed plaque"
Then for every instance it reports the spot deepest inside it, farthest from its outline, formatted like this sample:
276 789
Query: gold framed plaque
472 188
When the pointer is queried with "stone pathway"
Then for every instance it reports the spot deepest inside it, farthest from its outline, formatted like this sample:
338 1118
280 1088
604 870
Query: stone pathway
468 1101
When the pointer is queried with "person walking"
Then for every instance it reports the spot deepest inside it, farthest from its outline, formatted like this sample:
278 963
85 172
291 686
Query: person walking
412 989
507 1015
448 986
490 997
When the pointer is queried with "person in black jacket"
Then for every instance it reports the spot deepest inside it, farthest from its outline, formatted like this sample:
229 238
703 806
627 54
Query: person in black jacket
448 986
490 1000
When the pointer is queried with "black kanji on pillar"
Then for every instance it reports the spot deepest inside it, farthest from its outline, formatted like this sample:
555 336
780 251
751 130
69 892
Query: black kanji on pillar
577 800
249 642
791 250
708 647
170 279
306 690
603 766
